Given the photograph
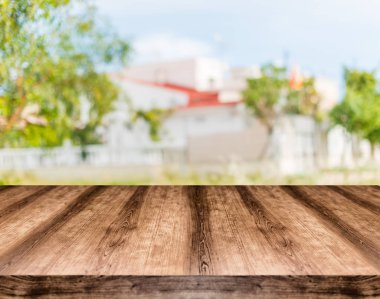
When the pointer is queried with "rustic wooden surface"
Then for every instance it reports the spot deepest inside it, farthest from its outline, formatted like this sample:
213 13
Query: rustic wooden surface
142 231
189 230
172 287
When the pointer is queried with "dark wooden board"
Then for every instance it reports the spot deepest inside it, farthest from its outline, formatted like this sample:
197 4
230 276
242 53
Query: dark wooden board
169 287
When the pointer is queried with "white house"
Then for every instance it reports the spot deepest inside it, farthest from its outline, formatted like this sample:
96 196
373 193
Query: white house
201 74
209 120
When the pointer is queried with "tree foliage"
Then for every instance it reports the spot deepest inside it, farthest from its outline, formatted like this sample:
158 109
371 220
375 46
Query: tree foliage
359 112
153 118
271 94
304 100
53 57
263 94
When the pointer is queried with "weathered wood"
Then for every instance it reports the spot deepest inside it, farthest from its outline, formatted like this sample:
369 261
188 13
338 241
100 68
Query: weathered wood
48 228
309 234
189 230
201 246
350 221
190 287
371 203
16 205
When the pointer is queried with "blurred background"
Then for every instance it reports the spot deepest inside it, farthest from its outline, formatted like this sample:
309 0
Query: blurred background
189 92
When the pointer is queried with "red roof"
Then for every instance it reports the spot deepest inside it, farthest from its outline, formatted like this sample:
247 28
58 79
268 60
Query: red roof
196 98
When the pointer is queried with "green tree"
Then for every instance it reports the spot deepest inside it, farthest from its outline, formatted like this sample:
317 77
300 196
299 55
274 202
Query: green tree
153 118
359 112
263 97
53 57
273 94
304 100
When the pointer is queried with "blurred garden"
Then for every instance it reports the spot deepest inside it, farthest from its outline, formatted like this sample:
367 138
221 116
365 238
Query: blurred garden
55 88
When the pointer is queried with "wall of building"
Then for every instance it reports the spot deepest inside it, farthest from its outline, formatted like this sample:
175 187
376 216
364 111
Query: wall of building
202 74
245 145
146 97
294 144
210 74
205 121
329 91
117 130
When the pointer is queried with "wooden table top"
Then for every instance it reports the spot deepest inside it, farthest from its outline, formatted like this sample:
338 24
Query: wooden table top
190 230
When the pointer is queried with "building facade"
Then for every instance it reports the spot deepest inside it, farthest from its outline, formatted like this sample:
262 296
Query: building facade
208 117
208 124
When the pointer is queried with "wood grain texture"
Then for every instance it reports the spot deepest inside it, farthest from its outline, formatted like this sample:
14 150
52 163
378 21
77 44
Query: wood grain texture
360 196
146 287
349 220
190 230
201 246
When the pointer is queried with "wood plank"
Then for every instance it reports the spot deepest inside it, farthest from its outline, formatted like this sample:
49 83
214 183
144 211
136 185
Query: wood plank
117 234
201 246
168 250
72 248
278 237
19 196
156 246
228 245
160 287
254 248
322 251
367 200
13 254
17 226
349 220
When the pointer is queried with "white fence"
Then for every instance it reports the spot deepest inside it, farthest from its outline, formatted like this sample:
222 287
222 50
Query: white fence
95 155
295 153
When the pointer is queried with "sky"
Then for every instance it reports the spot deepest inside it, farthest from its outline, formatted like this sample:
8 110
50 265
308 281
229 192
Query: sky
320 36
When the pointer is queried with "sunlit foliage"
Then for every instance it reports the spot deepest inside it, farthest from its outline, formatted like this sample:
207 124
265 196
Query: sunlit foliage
359 112
53 58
